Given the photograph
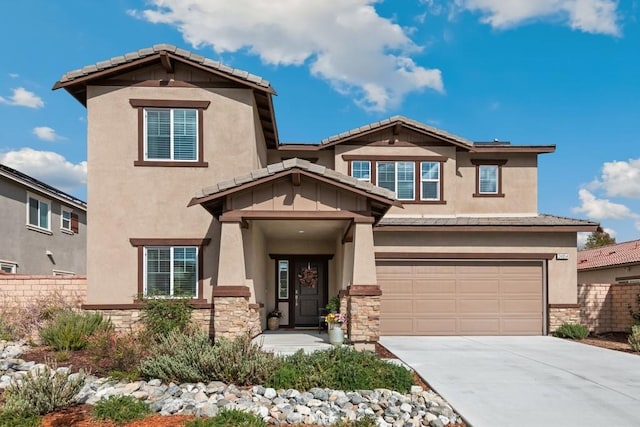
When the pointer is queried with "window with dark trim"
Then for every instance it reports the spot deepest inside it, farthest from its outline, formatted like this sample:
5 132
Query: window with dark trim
170 133
413 179
170 268
488 177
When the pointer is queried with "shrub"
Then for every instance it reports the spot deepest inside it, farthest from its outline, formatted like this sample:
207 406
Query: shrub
229 418
339 368
634 338
161 315
635 314
120 409
180 357
366 421
70 330
190 357
41 391
15 419
118 352
574 331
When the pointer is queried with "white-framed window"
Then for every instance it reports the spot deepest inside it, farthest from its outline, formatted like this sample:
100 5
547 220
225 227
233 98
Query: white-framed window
171 271
398 177
430 181
171 134
283 279
65 219
38 212
63 273
488 179
361 169
8 267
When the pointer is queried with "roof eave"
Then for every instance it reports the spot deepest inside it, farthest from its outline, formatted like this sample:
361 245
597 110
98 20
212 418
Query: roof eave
538 149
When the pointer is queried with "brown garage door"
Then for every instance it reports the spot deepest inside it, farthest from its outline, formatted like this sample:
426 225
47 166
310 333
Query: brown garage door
460 297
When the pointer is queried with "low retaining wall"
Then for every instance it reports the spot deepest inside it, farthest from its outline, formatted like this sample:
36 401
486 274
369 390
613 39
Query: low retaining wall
604 307
22 290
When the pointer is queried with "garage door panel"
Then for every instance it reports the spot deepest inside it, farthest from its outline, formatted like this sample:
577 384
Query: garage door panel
461 297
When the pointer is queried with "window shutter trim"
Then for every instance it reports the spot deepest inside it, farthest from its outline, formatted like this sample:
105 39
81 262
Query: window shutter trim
74 222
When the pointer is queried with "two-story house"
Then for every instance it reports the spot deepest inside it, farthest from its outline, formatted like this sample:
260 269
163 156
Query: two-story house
42 229
417 230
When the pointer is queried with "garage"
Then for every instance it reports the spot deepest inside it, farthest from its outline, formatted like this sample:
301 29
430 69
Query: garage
461 297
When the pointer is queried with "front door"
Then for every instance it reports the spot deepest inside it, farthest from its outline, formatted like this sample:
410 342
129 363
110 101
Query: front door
310 289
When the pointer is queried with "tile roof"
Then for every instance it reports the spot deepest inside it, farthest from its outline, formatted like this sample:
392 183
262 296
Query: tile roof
23 179
391 121
303 165
610 255
156 49
541 220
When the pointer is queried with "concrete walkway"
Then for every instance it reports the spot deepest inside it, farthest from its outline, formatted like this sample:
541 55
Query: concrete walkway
285 342
527 381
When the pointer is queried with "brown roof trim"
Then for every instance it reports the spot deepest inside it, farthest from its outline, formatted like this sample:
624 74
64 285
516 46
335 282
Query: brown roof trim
463 255
169 242
239 215
194 303
489 162
564 305
487 228
231 291
375 158
538 149
169 103
364 290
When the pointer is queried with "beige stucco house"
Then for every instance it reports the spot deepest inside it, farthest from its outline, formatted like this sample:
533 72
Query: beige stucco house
617 263
417 230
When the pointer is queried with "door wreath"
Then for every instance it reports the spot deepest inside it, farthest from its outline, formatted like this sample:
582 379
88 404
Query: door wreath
308 277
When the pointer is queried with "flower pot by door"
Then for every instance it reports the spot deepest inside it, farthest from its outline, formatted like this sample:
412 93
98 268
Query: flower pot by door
336 335
273 323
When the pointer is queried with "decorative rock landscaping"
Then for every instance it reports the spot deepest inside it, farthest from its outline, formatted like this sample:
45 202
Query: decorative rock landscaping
276 407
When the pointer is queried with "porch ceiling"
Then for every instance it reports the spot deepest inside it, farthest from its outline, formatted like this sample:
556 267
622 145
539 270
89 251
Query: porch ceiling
302 229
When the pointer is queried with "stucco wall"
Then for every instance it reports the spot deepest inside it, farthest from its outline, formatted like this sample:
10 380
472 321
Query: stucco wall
130 201
561 273
28 247
608 275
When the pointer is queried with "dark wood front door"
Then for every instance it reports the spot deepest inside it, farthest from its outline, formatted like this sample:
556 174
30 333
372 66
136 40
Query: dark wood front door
310 290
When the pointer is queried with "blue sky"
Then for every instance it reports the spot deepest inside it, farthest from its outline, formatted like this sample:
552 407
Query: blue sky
562 72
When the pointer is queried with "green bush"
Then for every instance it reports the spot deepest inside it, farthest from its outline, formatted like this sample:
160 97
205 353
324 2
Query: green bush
181 357
366 421
574 331
70 330
229 418
190 357
162 315
635 314
634 338
41 391
339 368
15 419
120 409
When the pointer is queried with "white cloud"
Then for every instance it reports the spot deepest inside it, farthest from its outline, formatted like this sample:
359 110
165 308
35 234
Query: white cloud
598 209
23 98
590 16
377 70
14 75
620 179
46 133
49 167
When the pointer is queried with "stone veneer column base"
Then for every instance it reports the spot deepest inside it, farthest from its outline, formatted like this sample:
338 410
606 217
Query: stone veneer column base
126 320
233 315
563 313
363 311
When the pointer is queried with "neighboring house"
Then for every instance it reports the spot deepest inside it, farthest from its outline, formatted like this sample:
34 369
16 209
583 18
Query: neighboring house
42 229
618 263
417 230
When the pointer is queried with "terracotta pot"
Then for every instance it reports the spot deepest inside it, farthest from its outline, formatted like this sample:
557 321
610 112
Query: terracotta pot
273 323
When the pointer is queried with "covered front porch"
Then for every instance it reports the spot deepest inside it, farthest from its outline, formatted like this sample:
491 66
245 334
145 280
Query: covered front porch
292 238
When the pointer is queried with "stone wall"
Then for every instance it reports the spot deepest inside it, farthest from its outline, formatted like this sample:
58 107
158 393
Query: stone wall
365 319
22 290
605 307
234 316
560 315
130 319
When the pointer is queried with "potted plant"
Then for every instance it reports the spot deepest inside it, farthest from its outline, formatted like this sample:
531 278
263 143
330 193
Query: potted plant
335 322
273 319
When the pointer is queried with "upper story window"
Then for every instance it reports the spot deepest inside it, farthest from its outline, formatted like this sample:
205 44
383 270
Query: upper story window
361 169
8 267
170 133
488 177
68 221
430 180
39 212
171 271
415 179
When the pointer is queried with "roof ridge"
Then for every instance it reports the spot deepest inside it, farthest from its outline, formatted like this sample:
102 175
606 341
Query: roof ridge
155 49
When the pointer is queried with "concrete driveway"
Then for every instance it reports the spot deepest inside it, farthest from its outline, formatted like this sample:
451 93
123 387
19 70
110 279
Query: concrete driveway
527 381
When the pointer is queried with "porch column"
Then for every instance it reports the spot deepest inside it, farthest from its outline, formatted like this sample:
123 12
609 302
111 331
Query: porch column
232 313
363 295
